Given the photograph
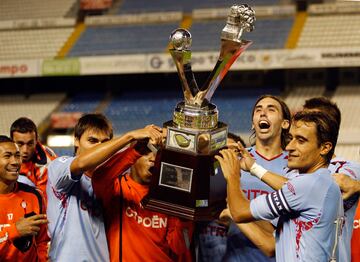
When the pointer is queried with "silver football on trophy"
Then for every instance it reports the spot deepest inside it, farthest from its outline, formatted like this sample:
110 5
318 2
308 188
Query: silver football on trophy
180 39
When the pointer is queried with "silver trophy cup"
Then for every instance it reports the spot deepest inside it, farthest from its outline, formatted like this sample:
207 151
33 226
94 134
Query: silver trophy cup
185 179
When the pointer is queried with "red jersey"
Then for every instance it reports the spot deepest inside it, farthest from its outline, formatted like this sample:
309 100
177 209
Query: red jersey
146 235
15 205
36 169
355 240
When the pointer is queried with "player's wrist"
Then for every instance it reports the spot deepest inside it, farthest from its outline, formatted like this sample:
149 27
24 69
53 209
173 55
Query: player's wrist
257 170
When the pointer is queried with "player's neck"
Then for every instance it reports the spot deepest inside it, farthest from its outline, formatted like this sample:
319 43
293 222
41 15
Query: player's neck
268 149
7 188
315 167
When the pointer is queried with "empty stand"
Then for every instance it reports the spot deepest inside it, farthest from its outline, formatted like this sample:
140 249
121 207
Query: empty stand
37 107
85 103
32 43
268 34
132 111
330 31
347 98
235 106
32 9
351 152
140 6
135 110
297 96
112 40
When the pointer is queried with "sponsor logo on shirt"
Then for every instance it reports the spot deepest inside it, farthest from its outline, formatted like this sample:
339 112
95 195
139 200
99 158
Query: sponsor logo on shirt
357 223
151 222
253 193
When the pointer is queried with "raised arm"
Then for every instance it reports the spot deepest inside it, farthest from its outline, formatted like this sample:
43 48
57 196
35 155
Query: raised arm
239 205
260 233
95 156
247 163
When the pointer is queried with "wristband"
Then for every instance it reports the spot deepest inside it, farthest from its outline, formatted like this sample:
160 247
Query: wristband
257 170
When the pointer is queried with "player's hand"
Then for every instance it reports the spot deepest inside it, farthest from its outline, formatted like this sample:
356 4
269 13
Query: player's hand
225 215
348 186
30 226
229 163
151 132
246 160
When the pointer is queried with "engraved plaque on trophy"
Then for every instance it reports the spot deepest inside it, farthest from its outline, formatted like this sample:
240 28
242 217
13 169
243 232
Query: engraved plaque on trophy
186 182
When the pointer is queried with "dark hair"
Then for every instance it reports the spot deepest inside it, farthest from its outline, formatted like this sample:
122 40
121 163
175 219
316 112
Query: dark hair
325 105
93 121
5 139
236 138
327 129
23 125
285 114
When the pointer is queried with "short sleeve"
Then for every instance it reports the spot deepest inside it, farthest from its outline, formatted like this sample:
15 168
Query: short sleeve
289 200
59 174
351 169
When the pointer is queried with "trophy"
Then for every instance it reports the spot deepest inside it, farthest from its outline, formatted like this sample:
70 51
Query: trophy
186 182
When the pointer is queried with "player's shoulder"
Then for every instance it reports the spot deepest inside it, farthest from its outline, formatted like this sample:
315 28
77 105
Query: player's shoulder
307 180
62 160
24 188
345 166
50 152
341 161
60 163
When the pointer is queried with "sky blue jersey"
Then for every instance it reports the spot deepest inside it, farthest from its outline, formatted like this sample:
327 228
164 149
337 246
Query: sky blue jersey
307 207
239 248
76 224
352 169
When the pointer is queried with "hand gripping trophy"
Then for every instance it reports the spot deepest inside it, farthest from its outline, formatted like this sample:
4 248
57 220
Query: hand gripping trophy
185 179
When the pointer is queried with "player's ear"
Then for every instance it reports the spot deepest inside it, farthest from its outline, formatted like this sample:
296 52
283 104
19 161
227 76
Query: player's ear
325 148
285 124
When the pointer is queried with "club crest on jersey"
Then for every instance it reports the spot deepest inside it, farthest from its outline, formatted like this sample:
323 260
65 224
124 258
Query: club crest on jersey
291 188
23 204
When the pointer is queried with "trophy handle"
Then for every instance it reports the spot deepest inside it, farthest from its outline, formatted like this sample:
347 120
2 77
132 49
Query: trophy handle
230 51
188 82
241 18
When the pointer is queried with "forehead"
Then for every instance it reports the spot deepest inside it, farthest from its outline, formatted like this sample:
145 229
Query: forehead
305 129
268 101
24 136
8 147
96 133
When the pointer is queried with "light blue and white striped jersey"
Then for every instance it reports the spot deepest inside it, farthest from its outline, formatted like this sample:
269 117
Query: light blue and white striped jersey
239 247
307 207
352 169
76 223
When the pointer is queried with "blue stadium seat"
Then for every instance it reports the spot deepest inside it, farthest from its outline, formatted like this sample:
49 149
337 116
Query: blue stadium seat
143 6
86 103
268 34
135 110
112 40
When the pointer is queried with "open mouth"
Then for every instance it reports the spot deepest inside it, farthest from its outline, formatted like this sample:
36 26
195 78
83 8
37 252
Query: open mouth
263 124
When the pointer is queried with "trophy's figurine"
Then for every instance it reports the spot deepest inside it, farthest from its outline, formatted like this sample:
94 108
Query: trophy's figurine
185 181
